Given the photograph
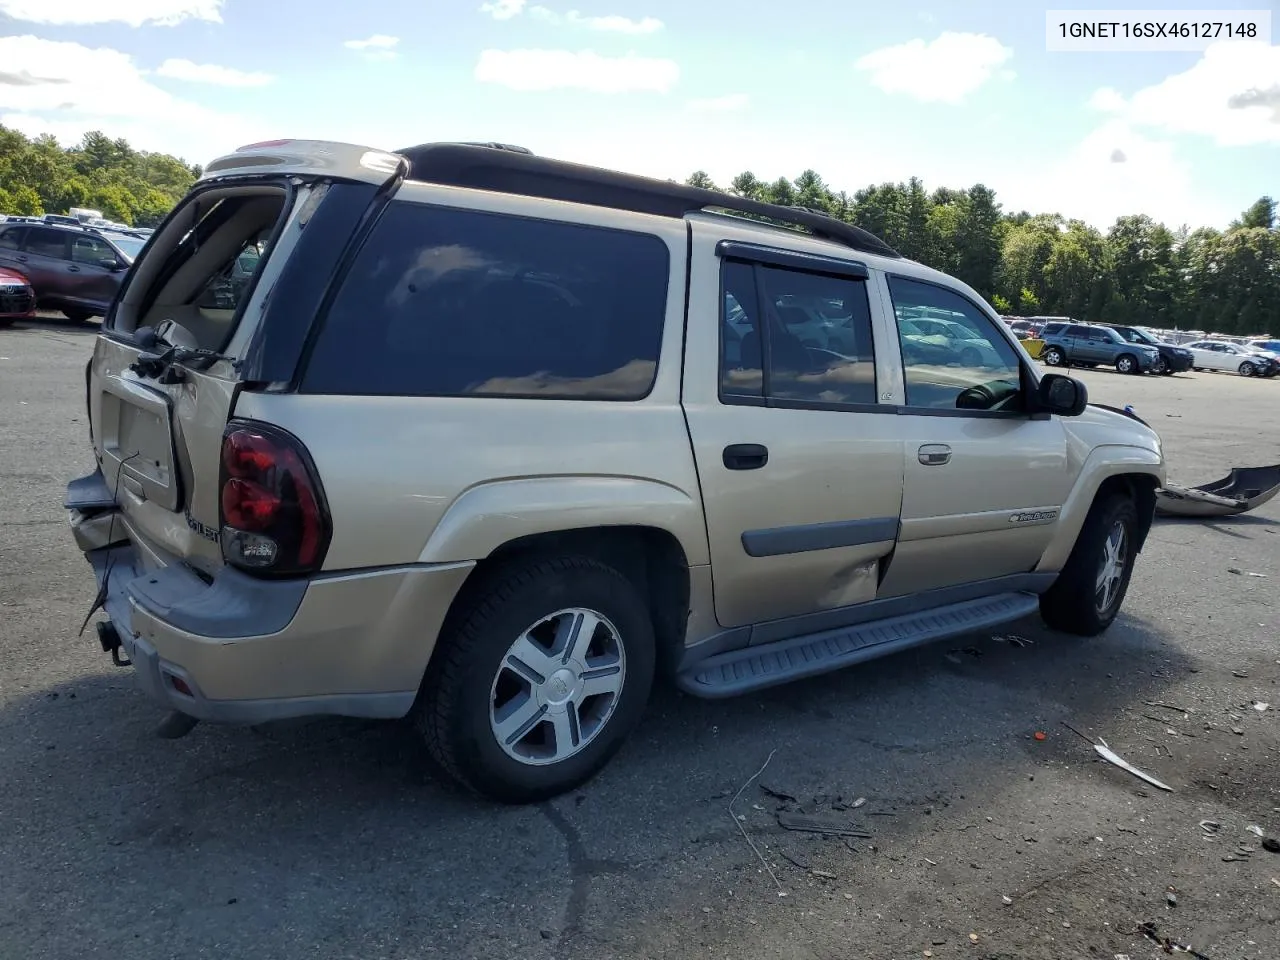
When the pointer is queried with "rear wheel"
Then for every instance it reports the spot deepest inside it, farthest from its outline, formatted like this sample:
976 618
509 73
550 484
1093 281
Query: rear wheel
76 314
1091 588
1247 369
537 681
1053 357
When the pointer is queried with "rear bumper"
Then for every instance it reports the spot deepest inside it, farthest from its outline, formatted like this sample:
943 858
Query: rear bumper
240 650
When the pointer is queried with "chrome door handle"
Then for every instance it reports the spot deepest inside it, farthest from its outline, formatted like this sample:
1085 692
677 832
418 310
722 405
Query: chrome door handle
935 454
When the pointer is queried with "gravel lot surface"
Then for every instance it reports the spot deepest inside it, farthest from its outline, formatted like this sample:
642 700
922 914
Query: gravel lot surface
334 838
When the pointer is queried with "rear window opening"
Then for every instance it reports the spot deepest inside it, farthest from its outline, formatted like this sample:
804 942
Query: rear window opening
201 269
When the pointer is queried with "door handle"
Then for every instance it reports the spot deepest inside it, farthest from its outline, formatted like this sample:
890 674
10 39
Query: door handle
21 257
935 454
73 269
745 456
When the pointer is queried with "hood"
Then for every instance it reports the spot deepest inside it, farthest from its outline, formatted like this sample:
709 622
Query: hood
12 276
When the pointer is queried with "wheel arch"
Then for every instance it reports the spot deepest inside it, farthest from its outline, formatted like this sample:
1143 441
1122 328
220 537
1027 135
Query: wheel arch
650 557
1133 471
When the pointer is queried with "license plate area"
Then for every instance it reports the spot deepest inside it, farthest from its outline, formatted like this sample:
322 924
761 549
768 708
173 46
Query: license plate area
137 442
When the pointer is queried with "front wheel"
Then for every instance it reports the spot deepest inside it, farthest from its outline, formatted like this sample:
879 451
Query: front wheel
1247 369
1091 588
538 679
1053 357
1161 367
76 314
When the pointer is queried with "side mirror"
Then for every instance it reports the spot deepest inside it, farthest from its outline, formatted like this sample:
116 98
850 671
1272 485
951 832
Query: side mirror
118 266
1064 396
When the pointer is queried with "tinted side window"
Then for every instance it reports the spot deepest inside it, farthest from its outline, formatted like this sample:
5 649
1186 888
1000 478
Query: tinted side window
47 243
11 239
1053 329
443 302
818 340
93 250
975 368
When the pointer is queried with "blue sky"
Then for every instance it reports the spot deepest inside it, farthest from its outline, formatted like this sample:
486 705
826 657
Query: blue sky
862 92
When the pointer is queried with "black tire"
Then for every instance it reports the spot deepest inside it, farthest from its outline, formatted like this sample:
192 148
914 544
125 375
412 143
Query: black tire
453 711
1053 357
1128 363
1161 367
1167 371
76 315
1071 604
1247 369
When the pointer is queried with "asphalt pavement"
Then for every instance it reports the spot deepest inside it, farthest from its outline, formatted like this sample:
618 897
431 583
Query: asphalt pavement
332 838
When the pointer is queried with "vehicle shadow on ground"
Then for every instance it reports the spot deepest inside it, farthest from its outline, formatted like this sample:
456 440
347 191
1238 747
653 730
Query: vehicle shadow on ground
264 835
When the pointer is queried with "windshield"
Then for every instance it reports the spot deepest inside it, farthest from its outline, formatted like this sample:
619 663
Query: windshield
129 246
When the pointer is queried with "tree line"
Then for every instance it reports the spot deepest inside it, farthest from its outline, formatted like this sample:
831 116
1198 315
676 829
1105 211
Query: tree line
39 176
1139 271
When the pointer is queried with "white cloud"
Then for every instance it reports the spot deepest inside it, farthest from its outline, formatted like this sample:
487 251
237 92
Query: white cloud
541 70
68 89
1231 94
135 13
945 70
212 73
1113 171
607 24
729 102
503 9
1107 99
377 47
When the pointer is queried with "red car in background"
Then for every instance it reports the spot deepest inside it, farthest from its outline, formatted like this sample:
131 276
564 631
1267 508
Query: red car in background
17 299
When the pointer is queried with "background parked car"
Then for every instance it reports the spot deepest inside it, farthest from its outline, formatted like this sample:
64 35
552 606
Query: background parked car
1229 358
1089 345
17 299
1173 359
72 269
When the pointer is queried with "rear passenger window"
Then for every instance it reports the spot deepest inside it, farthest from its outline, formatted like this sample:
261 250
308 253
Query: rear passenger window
47 243
817 327
11 239
445 302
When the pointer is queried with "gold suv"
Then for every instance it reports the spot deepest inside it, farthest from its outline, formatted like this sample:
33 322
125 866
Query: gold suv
491 440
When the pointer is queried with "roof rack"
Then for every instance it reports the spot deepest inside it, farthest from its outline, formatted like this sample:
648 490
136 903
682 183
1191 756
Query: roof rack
510 169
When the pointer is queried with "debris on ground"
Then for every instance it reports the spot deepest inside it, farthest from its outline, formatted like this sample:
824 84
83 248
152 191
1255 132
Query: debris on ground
1040 735
1167 944
737 822
1256 830
1271 844
779 795
1109 755
1210 827
825 824
1013 640
1260 706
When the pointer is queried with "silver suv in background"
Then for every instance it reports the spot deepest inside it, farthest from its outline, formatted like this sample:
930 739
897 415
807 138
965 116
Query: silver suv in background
493 440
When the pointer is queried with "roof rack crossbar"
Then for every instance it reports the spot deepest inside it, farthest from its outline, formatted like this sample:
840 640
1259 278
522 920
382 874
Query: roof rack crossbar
513 170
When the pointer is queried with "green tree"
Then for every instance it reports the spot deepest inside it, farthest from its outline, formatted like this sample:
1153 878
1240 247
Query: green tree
700 178
26 202
1261 214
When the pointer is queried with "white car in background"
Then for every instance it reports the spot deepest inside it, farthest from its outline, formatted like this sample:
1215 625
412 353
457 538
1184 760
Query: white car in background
1225 356
970 347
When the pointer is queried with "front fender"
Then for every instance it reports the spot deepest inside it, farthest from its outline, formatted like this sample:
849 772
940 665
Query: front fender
1102 464
486 516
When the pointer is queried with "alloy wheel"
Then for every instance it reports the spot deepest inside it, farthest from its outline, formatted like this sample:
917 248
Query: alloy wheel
557 687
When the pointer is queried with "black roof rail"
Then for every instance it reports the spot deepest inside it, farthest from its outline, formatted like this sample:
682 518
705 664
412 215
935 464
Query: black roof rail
516 170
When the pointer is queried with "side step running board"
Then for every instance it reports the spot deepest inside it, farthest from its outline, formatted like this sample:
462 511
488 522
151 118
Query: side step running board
771 664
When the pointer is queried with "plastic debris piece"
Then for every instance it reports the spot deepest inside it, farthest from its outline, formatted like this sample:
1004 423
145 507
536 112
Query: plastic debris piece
1260 706
1256 830
827 825
1109 755
1040 735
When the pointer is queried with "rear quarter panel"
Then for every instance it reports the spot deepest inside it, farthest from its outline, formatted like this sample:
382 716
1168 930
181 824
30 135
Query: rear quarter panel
445 479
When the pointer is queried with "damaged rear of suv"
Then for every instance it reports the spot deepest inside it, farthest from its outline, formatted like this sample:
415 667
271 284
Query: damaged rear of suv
489 440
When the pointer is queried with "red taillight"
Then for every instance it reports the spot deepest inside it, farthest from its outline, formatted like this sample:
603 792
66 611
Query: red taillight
273 514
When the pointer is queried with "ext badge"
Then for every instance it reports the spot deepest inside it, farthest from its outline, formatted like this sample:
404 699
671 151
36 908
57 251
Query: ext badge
1034 516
